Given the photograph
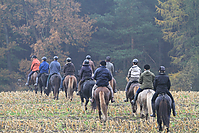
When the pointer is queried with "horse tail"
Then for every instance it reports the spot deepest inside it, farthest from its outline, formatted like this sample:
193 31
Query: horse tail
149 97
70 82
103 104
164 111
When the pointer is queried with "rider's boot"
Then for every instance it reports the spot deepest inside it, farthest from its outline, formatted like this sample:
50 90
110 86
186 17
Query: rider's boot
36 81
126 100
173 108
153 109
27 83
135 99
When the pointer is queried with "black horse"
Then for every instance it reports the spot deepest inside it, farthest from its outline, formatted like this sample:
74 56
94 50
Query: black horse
163 106
86 92
42 81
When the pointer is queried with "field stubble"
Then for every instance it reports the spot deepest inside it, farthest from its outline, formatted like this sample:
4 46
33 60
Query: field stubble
27 112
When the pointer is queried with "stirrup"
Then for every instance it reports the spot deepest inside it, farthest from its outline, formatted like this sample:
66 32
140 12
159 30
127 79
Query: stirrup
125 100
152 115
26 84
133 102
35 84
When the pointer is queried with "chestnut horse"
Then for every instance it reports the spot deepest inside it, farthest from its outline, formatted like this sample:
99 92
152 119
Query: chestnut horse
32 81
113 84
70 84
102 96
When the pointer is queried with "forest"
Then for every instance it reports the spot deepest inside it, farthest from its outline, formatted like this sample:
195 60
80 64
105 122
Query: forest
156 32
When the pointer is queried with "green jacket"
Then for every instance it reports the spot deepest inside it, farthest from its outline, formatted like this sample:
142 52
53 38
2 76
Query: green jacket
146 79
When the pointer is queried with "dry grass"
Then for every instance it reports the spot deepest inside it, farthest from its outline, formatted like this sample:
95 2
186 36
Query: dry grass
27 112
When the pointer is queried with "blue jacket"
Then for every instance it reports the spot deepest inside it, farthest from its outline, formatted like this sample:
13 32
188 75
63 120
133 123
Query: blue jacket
44 67
85 72
55 67
102 76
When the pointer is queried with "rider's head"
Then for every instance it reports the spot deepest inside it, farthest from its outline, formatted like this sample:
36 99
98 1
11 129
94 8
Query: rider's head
108 58
44 58
135 61
147 67
86 61
55 57
34 56
162 69
88 57
103 63
68 59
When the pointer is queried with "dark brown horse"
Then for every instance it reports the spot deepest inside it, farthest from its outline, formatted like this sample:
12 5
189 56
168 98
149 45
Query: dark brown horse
42 81
32 81
102 97
70 84
113 84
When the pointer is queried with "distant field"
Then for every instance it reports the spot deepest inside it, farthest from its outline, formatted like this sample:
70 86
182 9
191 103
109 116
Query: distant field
27 112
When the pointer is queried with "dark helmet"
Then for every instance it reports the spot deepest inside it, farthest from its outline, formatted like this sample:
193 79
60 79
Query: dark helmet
68 59
135 61
108 58
147 67
162 68
44 58
88 57
34 56
86 61
56 57
103 63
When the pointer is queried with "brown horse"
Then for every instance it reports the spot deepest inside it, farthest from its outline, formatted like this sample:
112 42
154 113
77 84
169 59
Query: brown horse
131 93
113 84
70 84
54 84
32 81
102 97
144 103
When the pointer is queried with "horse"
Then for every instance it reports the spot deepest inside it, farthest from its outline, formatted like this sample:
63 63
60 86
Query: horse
113 84
54 84
131 93
86 92
42 81
102 95
163 105
144 102
32 81
70 84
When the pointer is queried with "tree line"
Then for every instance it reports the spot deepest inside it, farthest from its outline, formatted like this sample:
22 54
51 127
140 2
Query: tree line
157 32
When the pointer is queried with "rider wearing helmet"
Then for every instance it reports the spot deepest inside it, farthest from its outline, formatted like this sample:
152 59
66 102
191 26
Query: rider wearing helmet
43 68
133 76
162 85
85 74
69 69
102 76
109 65
55 68
146 80
34 67
91 63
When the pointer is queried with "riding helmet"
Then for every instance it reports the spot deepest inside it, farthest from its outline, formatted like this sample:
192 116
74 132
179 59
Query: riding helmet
34 56
56 57
147 67
108 58
135 61
44 58
88 57
68 59
86 61
162 68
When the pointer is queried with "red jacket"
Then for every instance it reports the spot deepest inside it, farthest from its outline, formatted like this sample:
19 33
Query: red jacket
35 65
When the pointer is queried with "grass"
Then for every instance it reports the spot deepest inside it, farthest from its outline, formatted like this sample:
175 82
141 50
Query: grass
27 112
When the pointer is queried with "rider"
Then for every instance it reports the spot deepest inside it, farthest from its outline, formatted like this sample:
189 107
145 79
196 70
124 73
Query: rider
133 76
91 63
43 68
69 69
146 81
55 68
109 65
162 84
85 73
34 67
102 77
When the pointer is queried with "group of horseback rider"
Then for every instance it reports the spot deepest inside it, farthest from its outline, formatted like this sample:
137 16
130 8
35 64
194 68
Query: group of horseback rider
147 80
103 74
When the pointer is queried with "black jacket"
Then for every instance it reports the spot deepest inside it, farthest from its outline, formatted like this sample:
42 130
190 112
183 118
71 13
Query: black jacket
162 83
85 72
69 69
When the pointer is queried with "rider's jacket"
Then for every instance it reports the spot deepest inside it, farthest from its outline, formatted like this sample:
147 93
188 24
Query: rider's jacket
134 73
55 67
35 65
69 69
85 72
146 79
44 67
162 83
102 76
110 67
